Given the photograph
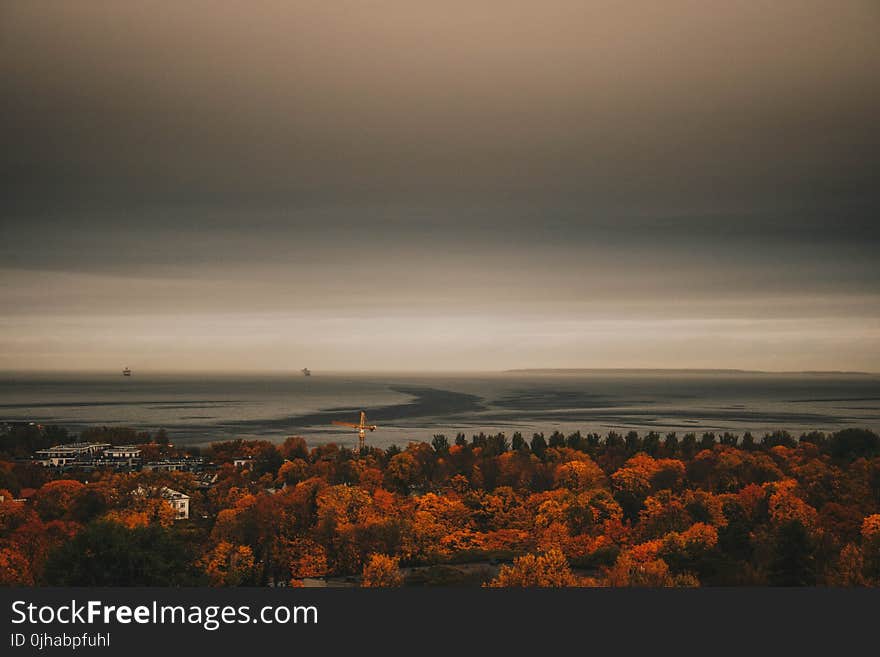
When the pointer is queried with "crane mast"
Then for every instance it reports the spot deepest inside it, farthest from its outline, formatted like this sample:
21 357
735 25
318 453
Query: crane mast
361 427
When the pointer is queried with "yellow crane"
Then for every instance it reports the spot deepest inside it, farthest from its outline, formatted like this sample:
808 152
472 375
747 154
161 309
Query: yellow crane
362 427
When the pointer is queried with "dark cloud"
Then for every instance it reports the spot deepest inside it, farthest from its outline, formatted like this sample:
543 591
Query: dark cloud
665 161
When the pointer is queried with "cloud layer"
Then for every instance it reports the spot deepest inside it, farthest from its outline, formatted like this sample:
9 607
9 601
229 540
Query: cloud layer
468 185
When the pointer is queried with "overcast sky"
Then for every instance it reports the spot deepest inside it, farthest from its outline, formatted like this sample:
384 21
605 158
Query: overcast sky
393 184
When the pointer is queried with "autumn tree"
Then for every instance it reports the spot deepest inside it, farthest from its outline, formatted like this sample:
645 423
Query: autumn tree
653 573
382 571
228 564
55 499
293 472
294 447
15 569
548 570
579 475
305 558
632 483
641 511
871 548
850 568
403 472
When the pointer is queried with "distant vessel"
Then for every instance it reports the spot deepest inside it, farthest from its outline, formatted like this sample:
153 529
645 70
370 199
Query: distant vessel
126 371
306 371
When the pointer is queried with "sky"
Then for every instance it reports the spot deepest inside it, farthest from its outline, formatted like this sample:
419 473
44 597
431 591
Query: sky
466 185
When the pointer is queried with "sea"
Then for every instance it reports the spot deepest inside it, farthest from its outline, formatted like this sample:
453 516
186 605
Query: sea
198 409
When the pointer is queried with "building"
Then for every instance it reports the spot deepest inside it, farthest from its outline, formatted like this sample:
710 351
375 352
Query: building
62 455
127 457
185 464
178 501
88 456
206 479
122 452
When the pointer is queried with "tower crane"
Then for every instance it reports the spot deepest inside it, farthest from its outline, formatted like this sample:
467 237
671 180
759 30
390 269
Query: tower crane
362 427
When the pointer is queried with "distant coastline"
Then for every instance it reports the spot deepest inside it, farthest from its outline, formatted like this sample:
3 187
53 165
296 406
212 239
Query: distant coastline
200 410
661 370
283 373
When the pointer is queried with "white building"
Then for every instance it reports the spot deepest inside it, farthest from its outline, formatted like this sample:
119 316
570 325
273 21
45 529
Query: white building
184 464
64 454
178 501
123 452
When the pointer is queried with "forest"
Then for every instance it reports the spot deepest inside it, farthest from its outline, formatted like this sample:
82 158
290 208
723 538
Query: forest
616 510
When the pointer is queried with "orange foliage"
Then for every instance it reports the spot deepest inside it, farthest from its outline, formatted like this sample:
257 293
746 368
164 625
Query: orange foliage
305 558
293 472
850 568
579 475
507 540
54 499
228 564
751 498
724 514
554 536
14 568
871 528
128 518
654 573
697 539
785 506
648 551
583 546
636 474
381 571
545 570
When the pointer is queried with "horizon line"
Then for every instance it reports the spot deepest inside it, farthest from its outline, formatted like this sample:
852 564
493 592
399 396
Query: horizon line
297 371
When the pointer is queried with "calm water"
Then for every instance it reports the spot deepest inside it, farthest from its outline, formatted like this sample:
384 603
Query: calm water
201 409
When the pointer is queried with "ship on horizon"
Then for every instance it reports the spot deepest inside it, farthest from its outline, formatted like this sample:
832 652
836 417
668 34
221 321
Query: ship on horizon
126 371
306 371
